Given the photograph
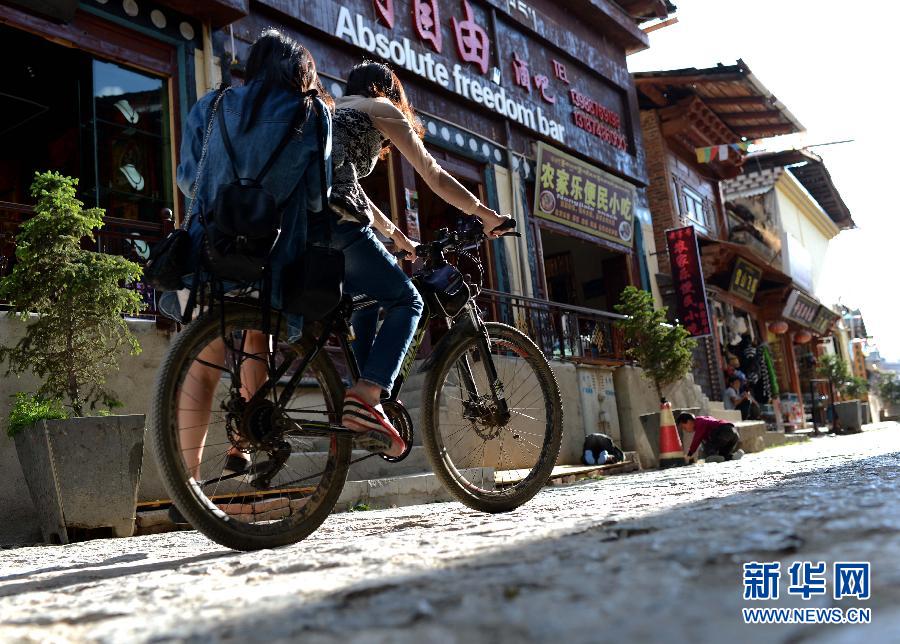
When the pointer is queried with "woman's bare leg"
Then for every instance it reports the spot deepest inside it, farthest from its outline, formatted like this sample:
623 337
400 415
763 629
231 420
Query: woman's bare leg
195 402
196 396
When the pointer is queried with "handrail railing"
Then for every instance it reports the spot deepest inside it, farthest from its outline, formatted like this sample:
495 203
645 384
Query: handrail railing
562 331
128 238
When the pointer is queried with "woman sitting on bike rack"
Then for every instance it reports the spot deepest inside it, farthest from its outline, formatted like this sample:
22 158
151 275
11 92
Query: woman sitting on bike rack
280 76
373 114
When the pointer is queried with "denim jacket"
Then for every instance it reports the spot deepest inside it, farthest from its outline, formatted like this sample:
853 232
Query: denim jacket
294 179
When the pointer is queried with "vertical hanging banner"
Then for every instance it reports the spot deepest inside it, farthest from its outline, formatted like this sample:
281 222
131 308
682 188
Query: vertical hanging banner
687 278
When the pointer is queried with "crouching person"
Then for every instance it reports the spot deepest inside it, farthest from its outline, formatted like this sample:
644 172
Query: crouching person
599 449
719 437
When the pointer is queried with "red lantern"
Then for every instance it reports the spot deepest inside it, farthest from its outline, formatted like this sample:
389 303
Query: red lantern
802 337
778 328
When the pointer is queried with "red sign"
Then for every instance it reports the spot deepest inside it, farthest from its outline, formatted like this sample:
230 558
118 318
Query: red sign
427 21
520 72
560 71
472 43
687 277
543 83
384 9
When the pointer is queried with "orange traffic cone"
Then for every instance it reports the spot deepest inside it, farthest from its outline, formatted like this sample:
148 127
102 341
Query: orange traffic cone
671 452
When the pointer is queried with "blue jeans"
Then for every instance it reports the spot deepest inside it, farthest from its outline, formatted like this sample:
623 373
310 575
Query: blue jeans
369 269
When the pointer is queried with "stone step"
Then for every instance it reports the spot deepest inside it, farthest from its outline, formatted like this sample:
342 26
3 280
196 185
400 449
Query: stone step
715 405
731 415
777 439
753 434
310 463
399 491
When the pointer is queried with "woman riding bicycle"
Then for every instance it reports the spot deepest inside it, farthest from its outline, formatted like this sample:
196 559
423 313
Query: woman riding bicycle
373 114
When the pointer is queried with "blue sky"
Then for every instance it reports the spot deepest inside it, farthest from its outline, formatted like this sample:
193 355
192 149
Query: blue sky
835 68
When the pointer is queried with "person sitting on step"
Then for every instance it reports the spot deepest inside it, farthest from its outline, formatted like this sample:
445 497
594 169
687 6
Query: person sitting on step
719 437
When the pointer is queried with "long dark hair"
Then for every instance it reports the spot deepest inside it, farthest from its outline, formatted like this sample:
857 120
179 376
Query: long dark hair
277 61
373 79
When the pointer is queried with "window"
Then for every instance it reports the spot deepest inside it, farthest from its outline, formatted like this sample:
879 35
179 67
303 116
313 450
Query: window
131 143
693 206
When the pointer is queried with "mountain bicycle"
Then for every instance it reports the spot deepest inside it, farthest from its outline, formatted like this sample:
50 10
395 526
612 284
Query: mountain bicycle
491 408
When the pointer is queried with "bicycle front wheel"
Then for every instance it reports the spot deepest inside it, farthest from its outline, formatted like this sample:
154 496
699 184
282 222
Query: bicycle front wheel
201 421
489 465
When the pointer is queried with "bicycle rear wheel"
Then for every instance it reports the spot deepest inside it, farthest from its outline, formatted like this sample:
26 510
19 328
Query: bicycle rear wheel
200 417
488 466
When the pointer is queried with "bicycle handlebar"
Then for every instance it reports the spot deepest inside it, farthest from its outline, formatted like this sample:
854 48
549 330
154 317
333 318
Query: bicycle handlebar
462 238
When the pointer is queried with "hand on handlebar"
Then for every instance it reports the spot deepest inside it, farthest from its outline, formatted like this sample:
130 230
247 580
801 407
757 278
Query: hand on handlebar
494 225
404 245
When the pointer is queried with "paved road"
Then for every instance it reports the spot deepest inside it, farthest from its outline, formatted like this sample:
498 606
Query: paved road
653 556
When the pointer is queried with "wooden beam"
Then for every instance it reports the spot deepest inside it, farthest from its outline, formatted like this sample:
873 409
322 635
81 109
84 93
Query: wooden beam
654 94
690 79
763 130
666 23
737 101
730 117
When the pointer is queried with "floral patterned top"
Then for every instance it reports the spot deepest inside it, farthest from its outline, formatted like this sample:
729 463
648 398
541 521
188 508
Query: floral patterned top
361 126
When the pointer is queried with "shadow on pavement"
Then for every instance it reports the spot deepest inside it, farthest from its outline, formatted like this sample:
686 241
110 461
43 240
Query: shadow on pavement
675 575
87 572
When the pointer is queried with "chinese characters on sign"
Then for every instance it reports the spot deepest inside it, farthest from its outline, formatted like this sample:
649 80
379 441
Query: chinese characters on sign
687 278
581 196
385 12
745 279
428 22
801 308
516 78
825 317
807 578
472 42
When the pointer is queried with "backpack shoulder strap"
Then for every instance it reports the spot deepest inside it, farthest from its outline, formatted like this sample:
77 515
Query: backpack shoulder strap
302 110
229 148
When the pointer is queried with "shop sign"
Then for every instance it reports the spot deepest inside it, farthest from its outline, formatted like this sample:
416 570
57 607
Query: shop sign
801 308
825 317
516 78
745 279
472 46
687 276
580 196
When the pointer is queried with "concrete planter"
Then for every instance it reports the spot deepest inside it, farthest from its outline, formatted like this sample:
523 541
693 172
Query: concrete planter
890 411
866 413
83 474
849 414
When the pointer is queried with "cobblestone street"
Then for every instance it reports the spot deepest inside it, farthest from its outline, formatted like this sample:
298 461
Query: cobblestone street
651 556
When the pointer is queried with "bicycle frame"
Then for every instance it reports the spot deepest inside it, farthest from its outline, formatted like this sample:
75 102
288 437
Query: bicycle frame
338 324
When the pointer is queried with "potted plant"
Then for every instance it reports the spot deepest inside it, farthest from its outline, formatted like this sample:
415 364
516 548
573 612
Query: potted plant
81 464
889 393
846 415
857 388
664 351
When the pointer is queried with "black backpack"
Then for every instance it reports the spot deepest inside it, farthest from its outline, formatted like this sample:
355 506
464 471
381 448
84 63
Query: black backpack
244 223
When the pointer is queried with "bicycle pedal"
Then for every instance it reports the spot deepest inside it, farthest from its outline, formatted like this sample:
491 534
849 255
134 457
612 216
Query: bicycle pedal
372 441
